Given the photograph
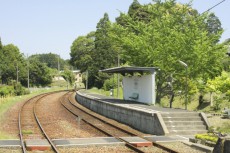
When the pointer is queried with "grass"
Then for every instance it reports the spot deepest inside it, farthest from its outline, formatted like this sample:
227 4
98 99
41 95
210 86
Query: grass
107 93
27 132
225 128
7 102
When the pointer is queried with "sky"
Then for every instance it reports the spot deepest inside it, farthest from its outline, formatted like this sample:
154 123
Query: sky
45 26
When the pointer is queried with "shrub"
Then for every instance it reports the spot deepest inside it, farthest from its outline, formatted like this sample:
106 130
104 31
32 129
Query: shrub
6 90
19 89
208 137
110 84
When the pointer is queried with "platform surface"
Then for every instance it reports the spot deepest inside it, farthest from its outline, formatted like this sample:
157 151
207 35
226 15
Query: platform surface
131 104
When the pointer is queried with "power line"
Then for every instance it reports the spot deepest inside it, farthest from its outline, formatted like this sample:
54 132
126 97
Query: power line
213 6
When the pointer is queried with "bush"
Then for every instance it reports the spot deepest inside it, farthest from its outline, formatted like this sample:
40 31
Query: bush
6 90
20 90
208 137
110 84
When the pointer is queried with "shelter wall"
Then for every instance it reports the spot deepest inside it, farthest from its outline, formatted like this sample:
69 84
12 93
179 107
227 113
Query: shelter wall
144 85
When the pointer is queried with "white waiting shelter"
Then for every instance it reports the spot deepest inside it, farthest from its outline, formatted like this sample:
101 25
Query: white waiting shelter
141 87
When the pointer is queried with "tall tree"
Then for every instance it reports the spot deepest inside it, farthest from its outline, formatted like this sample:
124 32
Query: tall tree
104 56
0 43
12 63
81 51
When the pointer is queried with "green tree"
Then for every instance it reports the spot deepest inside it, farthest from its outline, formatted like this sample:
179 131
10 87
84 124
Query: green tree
68 76
40 74
213 24
219 85
1 43
11 61
51 60
104 55
174 32
81 52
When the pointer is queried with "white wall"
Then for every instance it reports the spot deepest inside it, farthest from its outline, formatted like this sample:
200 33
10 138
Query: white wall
143 85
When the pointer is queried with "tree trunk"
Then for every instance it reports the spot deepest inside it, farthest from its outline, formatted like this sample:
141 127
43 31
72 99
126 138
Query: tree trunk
211 98
171 99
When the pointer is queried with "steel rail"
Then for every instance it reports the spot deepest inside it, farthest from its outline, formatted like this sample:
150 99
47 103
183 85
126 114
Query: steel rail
154 143
20 120
19 123
127 144
43 131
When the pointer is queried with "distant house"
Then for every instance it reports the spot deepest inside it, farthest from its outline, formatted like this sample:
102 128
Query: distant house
77 74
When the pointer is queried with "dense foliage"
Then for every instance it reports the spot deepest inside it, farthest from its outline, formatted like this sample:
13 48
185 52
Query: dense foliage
14 67
51 60
94 52
163 33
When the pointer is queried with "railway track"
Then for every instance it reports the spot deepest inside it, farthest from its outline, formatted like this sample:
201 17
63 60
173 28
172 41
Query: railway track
103 125
28 119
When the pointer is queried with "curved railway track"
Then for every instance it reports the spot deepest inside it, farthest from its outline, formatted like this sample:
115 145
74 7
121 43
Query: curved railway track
27 117
102 124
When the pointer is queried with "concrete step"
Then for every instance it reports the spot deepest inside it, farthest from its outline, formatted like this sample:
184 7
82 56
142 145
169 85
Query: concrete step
137 141
37 144
184 123
182 118
180 114
186 132
195 127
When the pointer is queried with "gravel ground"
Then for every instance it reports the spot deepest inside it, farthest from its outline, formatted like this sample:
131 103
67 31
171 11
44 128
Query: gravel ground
101 149
181 147
59 123
10 150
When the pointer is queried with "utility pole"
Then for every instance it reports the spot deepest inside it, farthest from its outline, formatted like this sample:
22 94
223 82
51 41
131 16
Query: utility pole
28 75
17 72
118 77
87 74
58 68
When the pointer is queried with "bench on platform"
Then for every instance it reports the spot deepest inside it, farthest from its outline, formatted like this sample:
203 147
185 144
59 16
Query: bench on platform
134 96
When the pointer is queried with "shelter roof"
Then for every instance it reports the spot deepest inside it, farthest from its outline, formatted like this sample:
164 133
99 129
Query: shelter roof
130 70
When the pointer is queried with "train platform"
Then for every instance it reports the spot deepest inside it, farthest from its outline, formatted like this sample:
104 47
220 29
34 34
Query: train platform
143 117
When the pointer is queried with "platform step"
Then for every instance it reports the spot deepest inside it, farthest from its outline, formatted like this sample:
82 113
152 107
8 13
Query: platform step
184 123
195 127
182 118
186 132
180 114
137 141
